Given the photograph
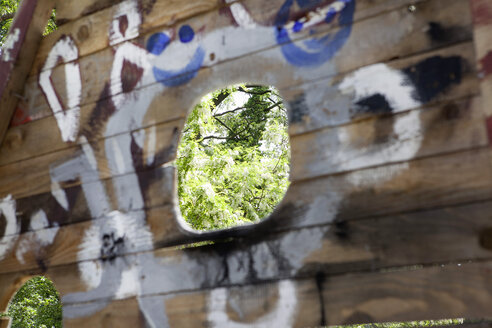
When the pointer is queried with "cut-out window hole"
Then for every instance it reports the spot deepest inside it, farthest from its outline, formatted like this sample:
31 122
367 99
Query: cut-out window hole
233 158
36 304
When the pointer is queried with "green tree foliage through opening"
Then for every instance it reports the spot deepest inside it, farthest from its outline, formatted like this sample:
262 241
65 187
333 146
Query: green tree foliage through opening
233 158
35 305
7 12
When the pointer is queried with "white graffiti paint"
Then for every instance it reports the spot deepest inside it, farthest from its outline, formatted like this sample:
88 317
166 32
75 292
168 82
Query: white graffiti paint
12 228
318 16
89 153
59 194
40 237
242 17
151 145
127 53
126 22
130 285
381 79
9 45
39 224
281 316
66 117
152 309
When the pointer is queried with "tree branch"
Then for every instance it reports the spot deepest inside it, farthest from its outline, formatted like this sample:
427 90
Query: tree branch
224 125
254 93
273 106
229 111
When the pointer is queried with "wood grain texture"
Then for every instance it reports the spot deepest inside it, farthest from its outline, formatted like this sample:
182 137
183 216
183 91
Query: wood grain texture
427 134
165 13
67 11
432 293
425 237
414 295
412 38
38 138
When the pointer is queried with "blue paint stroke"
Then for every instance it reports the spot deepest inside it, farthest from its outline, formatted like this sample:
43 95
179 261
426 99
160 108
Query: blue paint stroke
297 27
186 33
307 4
318 50
157 43
175 78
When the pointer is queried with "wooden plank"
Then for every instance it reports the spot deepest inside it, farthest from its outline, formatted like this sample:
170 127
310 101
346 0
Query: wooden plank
400 43
447 234
41 168
92 33
347 97
198 309
258 305
56 246
66 11
162 13
38 137
450 291
447 127
433 182
16 58
400 294
461 129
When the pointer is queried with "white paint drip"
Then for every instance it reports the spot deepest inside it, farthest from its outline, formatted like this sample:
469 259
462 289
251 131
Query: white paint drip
67 118
242 17
151 145
40 237
126 16
89 153
129 285
59 194
282 316
118 156
12 229
153 308
90 271
39 223
23 247
9 44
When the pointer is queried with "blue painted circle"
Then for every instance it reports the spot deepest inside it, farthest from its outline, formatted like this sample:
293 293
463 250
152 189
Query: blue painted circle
157 43
297 27
186 33
317 50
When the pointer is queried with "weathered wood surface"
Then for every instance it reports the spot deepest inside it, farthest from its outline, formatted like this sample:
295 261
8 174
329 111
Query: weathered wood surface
162 13
441 235
467 173
391 166
37 138
445 291
482 23
411 38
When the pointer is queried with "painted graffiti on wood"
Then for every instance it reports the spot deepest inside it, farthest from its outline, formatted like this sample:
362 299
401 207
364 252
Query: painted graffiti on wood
114 256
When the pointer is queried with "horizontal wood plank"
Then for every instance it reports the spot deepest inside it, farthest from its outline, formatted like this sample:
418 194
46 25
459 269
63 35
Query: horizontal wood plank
38 137
429 293
410 40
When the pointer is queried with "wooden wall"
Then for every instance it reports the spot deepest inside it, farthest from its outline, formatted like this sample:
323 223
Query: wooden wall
389 214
